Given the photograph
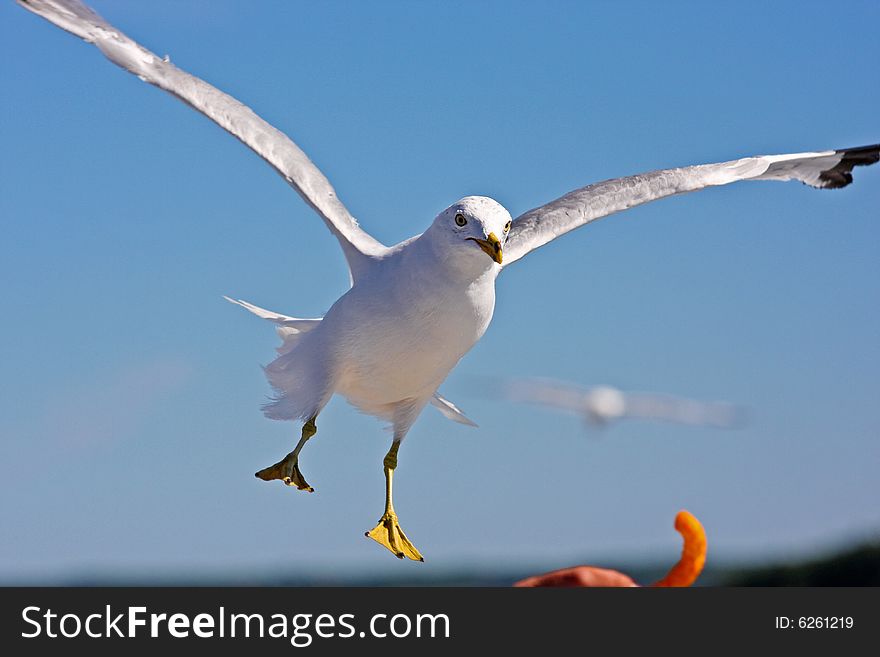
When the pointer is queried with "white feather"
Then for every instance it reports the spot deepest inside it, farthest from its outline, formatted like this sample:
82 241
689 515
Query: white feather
542 225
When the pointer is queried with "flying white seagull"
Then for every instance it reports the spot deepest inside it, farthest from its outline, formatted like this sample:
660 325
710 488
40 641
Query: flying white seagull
602 405
413 309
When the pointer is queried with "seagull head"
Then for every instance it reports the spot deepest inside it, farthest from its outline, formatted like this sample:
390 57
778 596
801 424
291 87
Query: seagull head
473 229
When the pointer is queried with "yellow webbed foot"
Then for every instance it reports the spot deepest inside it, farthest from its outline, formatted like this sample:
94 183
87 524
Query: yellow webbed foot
287 470
389 534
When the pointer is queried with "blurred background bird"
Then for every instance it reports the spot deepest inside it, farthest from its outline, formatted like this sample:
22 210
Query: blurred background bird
602 405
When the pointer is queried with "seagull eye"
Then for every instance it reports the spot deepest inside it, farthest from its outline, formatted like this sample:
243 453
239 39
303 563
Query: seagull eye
507 227
460 219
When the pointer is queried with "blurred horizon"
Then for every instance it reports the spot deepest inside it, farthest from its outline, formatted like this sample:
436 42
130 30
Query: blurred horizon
851 564
130 426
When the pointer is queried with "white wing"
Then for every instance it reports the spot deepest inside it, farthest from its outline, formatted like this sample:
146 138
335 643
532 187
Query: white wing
652 406
535 228
267 142
547 392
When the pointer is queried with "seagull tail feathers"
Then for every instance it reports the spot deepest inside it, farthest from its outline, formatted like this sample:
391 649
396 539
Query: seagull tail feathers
290 329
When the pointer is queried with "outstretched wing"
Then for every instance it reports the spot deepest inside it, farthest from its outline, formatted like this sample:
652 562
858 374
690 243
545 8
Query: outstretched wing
535 228
653 406
269 143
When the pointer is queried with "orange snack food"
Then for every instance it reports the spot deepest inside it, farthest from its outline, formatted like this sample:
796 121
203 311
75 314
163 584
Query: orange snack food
693 553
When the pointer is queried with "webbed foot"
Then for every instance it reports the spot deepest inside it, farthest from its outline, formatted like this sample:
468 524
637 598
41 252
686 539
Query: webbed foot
389 534
287 470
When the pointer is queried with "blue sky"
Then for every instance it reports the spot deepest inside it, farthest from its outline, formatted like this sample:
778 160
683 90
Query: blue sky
130 391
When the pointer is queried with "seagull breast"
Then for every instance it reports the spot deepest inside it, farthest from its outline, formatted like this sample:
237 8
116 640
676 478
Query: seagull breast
398 332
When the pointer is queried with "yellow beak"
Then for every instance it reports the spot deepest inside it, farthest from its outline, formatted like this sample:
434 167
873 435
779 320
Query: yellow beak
491 246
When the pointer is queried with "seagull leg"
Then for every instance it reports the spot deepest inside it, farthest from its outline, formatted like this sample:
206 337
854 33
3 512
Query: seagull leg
388 532
287 469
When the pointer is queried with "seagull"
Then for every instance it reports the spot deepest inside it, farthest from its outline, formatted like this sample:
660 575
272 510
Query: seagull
414 309
601 405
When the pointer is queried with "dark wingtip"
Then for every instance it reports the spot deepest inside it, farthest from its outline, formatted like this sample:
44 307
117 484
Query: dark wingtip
841 174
